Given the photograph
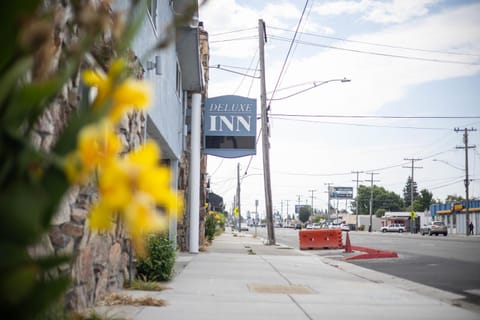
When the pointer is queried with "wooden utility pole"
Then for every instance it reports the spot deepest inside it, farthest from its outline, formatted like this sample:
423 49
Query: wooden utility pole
371 199
413 180
328 184
312 191
467 180
356 200
238 199
265 134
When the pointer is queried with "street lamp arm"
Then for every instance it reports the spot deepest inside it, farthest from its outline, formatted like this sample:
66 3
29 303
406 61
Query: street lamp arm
315 84
449 164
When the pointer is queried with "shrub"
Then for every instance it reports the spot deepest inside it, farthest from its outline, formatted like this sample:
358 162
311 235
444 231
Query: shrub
158 264
210 226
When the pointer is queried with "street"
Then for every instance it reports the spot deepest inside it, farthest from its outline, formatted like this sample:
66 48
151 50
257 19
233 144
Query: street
449 263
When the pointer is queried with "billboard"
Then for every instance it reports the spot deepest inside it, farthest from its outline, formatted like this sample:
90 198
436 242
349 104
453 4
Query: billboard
341 192
230 126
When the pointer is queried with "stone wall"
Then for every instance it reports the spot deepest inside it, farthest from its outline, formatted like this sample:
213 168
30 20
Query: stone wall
100 260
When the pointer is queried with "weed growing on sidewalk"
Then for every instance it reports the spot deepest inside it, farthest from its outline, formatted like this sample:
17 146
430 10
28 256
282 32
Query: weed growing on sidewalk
146 285
124 299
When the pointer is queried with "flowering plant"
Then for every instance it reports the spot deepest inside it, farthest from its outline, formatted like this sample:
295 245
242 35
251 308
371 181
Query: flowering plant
37 64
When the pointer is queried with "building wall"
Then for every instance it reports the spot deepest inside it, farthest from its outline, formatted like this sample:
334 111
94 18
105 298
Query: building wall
166 115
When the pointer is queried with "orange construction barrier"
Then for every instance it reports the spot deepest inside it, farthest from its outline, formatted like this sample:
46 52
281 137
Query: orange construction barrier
320 239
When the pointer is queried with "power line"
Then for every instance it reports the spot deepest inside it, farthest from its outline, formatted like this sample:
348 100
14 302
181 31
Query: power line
232 31
292 42
383 44
360 124
378 53
372 116
234 39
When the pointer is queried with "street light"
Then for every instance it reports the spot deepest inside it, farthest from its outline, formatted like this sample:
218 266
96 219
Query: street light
449 164
315 84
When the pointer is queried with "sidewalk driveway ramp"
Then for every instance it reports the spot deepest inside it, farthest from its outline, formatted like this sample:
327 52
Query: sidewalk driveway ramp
239 278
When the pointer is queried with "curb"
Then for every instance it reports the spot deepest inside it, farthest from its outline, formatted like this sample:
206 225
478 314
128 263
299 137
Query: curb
371 253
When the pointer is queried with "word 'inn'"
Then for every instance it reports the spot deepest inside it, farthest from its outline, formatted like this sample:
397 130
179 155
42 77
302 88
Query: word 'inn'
232 123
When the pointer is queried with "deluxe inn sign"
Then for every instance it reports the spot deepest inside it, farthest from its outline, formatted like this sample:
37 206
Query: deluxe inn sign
230 126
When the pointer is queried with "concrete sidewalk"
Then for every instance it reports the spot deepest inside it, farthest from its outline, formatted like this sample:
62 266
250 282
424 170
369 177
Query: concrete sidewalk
238 277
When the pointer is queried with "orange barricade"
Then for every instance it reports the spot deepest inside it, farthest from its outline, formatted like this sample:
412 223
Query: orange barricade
320 239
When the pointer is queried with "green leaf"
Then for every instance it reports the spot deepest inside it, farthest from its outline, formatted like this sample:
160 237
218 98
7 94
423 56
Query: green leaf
57 185
19 283
30 100
49 262
23 206
10 78
11 256
68 140
10 15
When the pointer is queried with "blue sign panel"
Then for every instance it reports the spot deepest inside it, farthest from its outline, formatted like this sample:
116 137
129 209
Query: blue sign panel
230 126
341 192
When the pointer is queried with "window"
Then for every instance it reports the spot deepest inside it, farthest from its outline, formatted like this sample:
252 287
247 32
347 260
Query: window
178 82
152 11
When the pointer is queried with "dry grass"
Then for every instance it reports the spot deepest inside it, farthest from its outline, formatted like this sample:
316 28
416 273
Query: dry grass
145 285
115 299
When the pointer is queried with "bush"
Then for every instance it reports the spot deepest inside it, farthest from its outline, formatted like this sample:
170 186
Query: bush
210 226
160 260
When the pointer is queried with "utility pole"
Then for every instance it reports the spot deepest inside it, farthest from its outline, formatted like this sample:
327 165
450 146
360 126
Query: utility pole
256 217
328 184
356 200
371 198
467 180
312 191
287 205
238 199
412 182
265 134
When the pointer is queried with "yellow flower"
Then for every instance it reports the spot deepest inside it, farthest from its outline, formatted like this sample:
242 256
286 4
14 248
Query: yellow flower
74 168
100 218
98 144
129 94
147 155
123 94
142 218
116 184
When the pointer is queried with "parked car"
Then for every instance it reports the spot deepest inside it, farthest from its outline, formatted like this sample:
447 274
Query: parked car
309 226
395 227
316 226
345 227
298 226
436 228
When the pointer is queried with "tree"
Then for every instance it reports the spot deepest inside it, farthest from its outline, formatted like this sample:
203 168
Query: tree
382 199
453 198
304 213
407 191
380 213
424 201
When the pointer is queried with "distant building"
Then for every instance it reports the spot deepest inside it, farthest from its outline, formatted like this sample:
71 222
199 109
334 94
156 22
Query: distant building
455 217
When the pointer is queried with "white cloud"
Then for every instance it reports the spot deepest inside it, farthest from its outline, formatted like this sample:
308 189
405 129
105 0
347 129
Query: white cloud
376 82
395 11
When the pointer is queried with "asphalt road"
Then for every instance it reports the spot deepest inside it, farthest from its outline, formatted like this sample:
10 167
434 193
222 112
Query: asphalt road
449 263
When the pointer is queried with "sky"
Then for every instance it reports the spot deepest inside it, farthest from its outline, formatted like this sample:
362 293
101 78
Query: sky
414 67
